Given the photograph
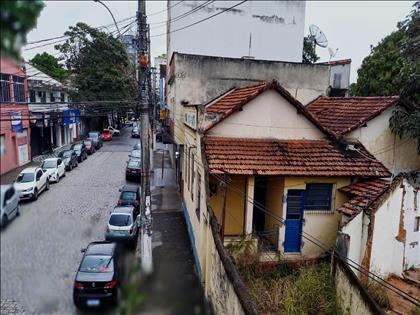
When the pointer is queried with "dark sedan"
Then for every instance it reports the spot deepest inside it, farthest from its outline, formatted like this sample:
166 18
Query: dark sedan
98 277
130 196
90 147
80 150
133 169
69 158
96 138
135 133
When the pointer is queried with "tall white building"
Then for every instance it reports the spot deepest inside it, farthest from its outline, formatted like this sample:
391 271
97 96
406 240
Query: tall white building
268 30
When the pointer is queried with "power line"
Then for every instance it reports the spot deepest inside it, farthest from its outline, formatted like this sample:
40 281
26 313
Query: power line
172 6
200 21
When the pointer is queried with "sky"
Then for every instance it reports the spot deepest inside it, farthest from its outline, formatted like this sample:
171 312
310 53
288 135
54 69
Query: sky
350 26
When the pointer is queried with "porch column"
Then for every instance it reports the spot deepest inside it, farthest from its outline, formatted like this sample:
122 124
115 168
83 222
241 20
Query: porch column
249 209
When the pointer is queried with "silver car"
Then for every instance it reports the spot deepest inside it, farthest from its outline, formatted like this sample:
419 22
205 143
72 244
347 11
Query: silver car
122 225
9 203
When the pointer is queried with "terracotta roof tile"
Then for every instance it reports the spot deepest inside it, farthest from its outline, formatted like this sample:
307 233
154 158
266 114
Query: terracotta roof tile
362 195
288 157
341 115
235 99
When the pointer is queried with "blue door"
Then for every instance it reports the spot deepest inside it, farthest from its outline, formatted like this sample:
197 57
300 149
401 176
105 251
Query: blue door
294 218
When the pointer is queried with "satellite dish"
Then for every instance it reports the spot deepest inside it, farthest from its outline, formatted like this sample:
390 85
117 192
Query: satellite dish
318 36
332 52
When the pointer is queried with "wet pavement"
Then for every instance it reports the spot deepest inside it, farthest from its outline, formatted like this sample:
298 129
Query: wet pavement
40 249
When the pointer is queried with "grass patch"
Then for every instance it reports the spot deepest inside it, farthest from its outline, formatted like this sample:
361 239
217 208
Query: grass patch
379 294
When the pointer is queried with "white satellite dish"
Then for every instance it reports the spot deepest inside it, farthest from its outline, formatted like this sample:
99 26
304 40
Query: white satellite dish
332 53
318 36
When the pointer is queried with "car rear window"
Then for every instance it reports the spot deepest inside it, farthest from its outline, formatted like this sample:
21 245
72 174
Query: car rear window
128 195
134 164
77 147
25 177
93 135
120 220
49 164
97 263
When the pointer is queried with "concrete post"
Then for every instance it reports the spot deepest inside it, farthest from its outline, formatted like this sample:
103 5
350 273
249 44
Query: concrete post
249 209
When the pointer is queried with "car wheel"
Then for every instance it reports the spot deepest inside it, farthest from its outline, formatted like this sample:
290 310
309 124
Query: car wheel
58 178
4 221
18 210
77 164
35 197
70 167
47 185
116 297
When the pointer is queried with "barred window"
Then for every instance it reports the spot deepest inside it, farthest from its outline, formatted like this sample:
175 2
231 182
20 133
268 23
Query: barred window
19 89
318 197
5 88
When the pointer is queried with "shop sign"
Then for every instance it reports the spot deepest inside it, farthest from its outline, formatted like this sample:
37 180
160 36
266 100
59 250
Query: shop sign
190 119
16 118
71 116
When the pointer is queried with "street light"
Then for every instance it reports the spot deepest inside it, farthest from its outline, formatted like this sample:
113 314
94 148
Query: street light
116 25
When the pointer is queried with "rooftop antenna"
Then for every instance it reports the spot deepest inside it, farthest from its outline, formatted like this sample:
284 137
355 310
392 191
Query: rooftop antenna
332 52
317 36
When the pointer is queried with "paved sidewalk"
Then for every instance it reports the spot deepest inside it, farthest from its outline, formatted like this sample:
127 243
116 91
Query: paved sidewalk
174 288
10 176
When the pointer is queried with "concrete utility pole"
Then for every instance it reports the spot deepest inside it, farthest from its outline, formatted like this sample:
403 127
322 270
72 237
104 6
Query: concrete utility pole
144 79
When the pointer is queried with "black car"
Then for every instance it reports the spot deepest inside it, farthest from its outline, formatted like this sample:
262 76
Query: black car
130 196
69 158
80 150
135 133
98 277
96 138
133 169
90 147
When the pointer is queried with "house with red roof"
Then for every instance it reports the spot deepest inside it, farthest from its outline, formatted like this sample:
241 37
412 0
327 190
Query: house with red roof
270 172
366 119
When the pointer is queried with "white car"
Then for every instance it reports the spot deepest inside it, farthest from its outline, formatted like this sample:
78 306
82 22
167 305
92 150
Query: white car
31 182
115 132
9 204
55 169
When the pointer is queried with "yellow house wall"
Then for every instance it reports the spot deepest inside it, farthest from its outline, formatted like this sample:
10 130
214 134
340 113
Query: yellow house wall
319 224
274 204
235 204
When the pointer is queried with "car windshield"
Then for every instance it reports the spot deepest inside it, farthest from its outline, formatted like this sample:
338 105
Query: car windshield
25 178
93 135
77 147
128 195
87 143
135 153
136 146
65 154
106 132
133 164
97 263
49 164
120 220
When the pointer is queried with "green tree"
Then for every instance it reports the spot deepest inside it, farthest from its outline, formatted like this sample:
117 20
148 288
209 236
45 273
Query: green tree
100 66
393 68
50 65
17 19
309 55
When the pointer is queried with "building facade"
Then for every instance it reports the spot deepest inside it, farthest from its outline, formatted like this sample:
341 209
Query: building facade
15 133
239 31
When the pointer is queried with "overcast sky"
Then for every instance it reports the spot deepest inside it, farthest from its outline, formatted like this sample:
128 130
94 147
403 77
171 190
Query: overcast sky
350 26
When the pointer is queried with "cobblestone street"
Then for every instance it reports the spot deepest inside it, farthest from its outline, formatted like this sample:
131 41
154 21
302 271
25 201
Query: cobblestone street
40 250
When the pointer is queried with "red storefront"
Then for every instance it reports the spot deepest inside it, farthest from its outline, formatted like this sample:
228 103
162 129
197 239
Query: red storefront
14 117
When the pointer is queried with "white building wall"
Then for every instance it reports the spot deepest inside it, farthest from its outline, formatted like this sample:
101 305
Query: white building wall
271 30
354 229
344 71
269 115
412 242
387 252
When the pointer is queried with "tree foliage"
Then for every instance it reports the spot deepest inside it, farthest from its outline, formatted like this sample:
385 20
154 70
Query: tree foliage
50 65
17 19
309 55
99 65
393 68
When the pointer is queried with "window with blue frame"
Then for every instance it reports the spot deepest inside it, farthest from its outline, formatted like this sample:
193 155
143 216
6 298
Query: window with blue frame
318 197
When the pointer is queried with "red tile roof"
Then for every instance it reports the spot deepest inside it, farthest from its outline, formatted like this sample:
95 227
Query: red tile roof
233 101
363 194
341 115
288 157
336 62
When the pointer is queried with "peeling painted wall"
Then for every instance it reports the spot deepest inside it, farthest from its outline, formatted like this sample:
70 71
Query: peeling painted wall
412 239
273 29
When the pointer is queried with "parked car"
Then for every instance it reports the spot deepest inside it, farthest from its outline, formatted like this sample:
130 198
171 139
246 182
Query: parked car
135 155
69 158
159 133
55 168
115 132
96 138
130 196
133 169
31 182
98 277
123 225
135 133
80 150
90 147
9 204
137 146
106 135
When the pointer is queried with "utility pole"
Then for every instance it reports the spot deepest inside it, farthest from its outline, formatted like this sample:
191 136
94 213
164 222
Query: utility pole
143 99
